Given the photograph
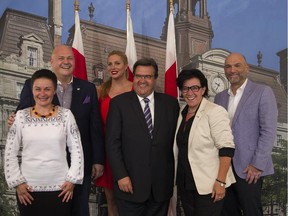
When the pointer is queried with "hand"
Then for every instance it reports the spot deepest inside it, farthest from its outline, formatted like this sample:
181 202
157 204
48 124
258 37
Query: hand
253 174
218 192
125 185
11 120
67 191
23 194
97 171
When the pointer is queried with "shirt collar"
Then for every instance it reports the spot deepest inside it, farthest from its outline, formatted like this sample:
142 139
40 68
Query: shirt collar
240 89
150 97
59 83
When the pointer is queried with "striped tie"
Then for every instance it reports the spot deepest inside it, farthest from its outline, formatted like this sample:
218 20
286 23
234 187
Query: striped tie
148 116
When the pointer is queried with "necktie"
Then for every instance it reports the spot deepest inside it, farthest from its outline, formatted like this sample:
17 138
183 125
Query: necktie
148 116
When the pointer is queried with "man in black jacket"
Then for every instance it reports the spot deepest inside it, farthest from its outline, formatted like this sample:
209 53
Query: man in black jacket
140 144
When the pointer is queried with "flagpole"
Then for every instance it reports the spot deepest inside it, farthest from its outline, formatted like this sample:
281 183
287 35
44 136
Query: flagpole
128 5
171 5
170 87
130 43
76 5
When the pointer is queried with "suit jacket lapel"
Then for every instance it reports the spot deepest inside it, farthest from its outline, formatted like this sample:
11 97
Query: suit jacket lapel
247 92
139 111
197 118
75 94
158 113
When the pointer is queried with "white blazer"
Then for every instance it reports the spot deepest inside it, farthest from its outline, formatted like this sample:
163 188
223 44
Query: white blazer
209 132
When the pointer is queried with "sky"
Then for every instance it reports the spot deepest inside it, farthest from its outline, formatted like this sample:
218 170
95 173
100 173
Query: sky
246 26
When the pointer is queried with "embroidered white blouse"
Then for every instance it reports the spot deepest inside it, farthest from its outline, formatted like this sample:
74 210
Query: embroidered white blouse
43 143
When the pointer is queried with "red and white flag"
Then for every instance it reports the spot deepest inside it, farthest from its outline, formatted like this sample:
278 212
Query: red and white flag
170 87
78 50
130 46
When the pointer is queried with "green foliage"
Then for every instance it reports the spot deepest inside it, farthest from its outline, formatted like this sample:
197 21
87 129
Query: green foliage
275 186
7 207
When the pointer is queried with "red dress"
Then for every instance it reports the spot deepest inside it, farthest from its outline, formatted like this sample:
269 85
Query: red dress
106 179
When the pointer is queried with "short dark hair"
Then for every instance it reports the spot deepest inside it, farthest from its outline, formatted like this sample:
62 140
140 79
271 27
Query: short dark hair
147 62
44 73
192 73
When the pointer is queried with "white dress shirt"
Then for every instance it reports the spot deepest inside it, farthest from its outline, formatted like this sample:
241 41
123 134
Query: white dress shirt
234 100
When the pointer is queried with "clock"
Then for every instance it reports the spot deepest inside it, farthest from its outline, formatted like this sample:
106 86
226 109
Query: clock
217 84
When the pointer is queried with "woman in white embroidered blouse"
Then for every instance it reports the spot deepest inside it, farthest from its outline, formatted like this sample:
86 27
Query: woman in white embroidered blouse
44 181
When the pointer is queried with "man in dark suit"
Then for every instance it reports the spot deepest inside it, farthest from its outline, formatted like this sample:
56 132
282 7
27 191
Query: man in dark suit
142 161
252 110
81 98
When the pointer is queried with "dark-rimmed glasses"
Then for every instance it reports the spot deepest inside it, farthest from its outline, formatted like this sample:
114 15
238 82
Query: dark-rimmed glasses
193 88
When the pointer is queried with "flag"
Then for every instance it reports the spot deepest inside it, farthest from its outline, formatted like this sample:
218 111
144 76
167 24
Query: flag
78 50
170 87
130 46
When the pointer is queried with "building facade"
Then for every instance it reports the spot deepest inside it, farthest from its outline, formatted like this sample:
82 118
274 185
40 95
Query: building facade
27 41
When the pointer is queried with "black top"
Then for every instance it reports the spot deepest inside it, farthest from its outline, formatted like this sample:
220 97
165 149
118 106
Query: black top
184 178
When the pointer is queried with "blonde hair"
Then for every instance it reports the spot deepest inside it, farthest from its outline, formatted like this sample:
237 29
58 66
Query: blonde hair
105 87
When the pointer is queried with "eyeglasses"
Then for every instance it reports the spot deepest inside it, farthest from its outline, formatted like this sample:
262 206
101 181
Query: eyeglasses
193 88
146 77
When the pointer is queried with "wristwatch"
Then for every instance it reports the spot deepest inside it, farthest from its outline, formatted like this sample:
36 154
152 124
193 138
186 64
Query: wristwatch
222 184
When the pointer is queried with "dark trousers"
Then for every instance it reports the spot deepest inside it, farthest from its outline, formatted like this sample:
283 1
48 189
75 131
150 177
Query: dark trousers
195 204
80 201
45 204
243 199
147 208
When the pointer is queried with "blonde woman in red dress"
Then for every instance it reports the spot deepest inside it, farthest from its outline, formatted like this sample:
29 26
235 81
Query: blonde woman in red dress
117 64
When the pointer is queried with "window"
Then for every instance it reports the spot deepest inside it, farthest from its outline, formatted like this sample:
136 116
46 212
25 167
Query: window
100 74
279 138
32 56
19 87
31 50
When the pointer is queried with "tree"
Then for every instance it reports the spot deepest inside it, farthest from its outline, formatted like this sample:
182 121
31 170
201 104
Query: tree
7 206
275 186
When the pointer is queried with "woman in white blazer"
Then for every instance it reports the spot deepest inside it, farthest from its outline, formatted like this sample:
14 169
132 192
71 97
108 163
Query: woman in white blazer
203 148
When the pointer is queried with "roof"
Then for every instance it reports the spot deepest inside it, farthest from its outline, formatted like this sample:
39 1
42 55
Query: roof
16 24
